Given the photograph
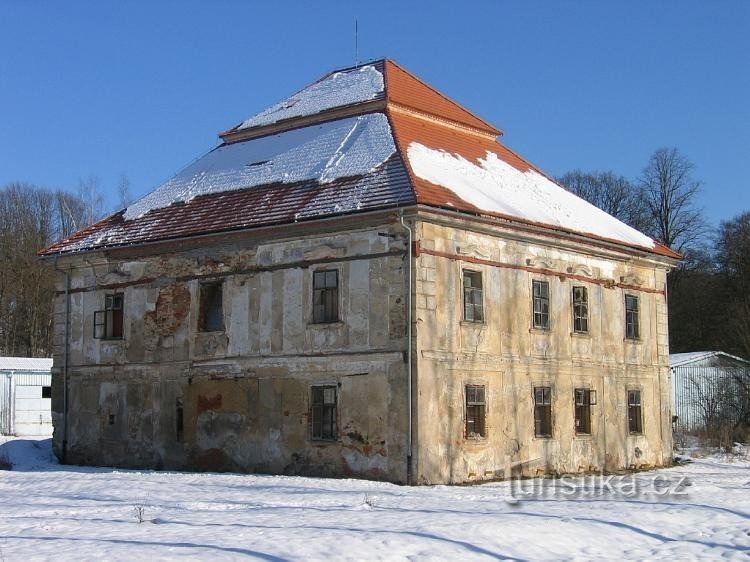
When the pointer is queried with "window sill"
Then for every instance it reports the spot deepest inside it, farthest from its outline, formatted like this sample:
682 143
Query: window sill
633 341
584 335
111 340
212 333
473 323
635 435
583 436
320 441
543 437
476 440
541 331
336 324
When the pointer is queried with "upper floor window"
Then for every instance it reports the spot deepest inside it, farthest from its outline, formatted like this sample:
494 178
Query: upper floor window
211 307
473 300
541 304
323 412
475 411
108 322
632 325
542 411
635 413
325 296
580 310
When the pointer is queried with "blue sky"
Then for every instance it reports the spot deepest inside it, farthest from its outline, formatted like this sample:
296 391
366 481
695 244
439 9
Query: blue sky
142 88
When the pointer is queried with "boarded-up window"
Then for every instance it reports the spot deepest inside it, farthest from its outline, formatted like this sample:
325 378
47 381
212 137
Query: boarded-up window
582 397
323 412
543 411
580 310
632 322
325 296
475 412
635 413
541 304
473 298
108 322
211 312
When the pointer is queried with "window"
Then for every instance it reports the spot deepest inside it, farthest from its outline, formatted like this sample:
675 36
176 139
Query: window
323 415
325 296
583 403
635 414
180 418
543 411
475 412
211 312
108 322
632 327
541 304
473 311
580 310
46 392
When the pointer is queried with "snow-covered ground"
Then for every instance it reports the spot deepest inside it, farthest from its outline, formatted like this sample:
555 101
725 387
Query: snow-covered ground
48 511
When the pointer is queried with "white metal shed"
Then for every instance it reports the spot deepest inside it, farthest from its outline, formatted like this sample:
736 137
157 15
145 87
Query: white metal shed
25 396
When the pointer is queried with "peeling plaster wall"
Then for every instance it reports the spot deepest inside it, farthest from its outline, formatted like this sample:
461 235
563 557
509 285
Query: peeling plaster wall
243 393
510 358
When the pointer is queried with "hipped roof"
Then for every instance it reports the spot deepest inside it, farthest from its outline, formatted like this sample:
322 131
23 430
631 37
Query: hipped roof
356 140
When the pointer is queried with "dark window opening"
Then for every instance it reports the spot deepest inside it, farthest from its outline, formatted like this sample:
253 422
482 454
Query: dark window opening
632 325
475 412
180 419
46 392
325 296
108 322
583 411
580 310
323 414
111 419
473 298
635 413
211 312
541 304
542 411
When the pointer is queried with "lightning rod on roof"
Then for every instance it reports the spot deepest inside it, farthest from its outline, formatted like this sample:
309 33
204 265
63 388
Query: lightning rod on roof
356 43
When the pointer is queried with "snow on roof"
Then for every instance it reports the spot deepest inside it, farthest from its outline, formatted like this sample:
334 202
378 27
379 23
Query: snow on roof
324 152
495 186
335 90
25 364
678 359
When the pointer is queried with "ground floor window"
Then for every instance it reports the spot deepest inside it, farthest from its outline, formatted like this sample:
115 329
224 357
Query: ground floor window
583 411
543 411
475 411
323 412
635 413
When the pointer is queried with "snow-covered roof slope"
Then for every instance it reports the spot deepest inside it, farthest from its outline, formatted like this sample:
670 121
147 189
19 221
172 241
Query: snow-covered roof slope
678 359
338 89
495 186
325 152
25 364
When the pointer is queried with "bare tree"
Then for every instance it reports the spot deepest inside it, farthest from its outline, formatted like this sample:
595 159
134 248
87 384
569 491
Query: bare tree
612 193
123 191
30 219
93 202
669 193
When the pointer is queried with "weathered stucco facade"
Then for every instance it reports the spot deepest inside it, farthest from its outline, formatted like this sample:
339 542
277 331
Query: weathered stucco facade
362 281
243 392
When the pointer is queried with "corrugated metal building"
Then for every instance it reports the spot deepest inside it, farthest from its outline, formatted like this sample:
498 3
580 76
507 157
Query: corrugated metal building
25 396
706 388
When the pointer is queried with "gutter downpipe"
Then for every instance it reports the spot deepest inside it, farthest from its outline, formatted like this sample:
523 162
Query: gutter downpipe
409 472
65 365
